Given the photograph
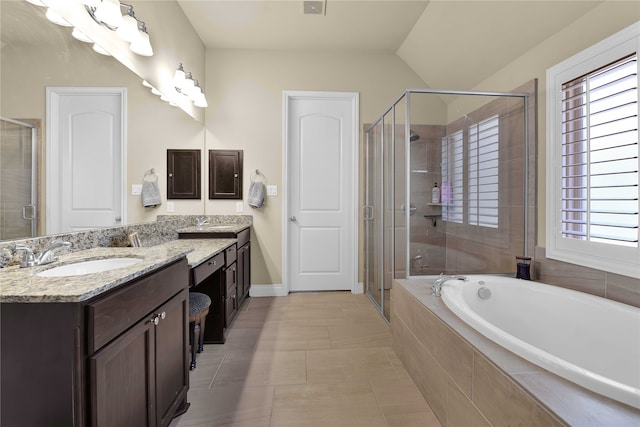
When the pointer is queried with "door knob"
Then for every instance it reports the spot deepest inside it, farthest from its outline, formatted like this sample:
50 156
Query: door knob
293 219
118 219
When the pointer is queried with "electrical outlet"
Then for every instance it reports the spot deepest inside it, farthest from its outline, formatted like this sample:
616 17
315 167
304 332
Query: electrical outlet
272 190
239 207
170 207
136 189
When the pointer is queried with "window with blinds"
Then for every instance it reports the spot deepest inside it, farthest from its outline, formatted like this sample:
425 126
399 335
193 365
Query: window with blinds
599 166
452 186
482 173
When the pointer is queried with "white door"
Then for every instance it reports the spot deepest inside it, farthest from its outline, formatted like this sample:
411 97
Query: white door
85 158
321 135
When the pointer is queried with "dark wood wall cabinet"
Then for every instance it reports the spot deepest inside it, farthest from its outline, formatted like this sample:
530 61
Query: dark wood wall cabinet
183 174
119 359
225 174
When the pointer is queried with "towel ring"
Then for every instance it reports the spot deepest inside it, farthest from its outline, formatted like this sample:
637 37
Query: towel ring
256 175
150 175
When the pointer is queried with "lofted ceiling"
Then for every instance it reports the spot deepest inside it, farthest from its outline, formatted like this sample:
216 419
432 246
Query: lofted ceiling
450 44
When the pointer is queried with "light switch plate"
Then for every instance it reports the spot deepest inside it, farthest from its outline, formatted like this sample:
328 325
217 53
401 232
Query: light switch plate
239 207
170 207
136 189
272 190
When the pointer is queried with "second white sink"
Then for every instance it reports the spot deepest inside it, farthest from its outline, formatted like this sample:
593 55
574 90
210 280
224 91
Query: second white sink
89 267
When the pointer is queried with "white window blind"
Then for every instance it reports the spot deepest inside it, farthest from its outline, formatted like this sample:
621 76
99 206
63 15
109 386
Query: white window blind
453 177
482 173
600 155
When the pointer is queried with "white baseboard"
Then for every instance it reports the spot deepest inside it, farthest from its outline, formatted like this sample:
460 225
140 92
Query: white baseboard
276 290
358 288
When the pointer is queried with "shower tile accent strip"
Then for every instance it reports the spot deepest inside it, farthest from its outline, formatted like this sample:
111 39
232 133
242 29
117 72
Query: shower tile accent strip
469 380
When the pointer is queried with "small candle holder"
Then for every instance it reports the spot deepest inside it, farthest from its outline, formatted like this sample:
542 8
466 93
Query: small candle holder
523 267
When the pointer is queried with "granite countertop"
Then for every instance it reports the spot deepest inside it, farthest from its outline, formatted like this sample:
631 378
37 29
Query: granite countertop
22 285
215 228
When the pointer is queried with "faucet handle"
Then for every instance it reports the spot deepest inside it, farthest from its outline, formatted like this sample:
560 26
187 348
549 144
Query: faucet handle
28 258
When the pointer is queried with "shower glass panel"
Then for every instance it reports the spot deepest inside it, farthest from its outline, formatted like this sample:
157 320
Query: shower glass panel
17 179
372 214
448 186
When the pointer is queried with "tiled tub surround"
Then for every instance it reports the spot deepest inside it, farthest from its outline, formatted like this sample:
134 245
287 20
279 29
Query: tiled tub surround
597 282
469 380
21 285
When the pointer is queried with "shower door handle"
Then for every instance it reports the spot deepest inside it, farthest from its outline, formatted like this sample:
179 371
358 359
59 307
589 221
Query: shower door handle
367 213
32 209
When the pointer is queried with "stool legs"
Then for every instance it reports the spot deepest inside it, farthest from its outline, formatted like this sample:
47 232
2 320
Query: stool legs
195 336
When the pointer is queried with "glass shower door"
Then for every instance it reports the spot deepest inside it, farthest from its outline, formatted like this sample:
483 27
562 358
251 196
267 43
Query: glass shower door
17 179
372 214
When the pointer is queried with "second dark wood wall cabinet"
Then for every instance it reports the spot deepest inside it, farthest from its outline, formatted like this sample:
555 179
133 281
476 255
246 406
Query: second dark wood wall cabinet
183 174
225 174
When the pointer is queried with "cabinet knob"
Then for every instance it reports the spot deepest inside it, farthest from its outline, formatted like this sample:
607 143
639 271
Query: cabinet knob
155 319
163 315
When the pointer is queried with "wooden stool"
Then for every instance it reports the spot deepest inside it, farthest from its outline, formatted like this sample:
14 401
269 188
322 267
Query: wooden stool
198 309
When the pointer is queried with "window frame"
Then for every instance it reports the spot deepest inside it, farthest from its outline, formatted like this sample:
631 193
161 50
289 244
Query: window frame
603 256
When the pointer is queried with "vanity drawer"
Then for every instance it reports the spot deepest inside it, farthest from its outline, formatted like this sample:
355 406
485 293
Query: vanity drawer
207 268
110 316
243 237
230 255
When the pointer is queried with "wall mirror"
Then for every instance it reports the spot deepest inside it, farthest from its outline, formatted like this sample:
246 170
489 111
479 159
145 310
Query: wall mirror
35 54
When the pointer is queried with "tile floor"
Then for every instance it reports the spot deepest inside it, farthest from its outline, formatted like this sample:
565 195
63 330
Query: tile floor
307 359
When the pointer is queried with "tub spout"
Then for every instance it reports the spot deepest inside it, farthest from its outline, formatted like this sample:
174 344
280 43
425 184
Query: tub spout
437 285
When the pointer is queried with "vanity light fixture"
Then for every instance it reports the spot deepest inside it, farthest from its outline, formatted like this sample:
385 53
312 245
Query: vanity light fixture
128 27
100 50
186 85
79 35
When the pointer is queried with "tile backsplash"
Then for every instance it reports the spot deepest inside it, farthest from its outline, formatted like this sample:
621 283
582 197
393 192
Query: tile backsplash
597 282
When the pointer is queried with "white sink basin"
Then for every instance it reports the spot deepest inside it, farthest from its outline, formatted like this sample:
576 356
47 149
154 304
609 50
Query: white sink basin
89 267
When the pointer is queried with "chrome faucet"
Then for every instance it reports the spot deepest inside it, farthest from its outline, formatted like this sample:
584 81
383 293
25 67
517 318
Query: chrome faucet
46 255
437 285
202 220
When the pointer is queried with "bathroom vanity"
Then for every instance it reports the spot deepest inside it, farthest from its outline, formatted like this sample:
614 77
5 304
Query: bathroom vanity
228 284
106 349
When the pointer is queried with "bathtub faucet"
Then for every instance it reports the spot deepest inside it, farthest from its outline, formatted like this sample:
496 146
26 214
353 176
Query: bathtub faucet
437 285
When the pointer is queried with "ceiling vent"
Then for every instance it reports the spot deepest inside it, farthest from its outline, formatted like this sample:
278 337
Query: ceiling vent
314 7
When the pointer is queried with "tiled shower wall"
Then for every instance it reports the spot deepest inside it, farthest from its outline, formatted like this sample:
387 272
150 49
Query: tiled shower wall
474 249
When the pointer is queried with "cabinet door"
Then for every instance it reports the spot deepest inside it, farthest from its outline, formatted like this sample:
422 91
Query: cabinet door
123 380
244 271
231 301
171 345
225 174
183 174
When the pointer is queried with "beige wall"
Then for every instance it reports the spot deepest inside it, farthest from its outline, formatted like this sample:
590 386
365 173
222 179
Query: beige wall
245 92
598 24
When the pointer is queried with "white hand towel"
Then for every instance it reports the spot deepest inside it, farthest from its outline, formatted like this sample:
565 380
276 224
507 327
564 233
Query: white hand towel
150 194
256 195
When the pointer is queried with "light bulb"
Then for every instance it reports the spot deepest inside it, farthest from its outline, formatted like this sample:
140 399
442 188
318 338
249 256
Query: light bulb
79 35
109 12
141 44
146 84
178 78
201 101
188 86
100 50
56 18
37 3
155 91
128 30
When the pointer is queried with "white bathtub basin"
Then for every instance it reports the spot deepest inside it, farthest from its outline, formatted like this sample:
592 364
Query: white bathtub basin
89 267
589 340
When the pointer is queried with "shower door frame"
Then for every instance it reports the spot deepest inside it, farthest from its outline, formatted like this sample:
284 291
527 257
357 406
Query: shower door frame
406 97
34 175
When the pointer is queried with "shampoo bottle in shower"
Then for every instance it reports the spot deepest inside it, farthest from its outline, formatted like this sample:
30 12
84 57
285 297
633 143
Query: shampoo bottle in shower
435 194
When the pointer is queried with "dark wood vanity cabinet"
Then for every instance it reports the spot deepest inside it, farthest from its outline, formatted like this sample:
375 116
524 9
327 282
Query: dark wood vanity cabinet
119 359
